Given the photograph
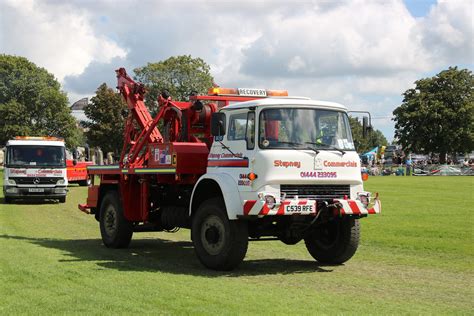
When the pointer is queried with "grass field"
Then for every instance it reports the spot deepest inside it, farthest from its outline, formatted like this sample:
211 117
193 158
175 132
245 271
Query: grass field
416 257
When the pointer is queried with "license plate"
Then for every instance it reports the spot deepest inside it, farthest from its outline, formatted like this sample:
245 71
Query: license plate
36 190
298 209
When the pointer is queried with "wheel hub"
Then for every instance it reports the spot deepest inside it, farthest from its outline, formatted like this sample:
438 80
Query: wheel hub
327 236
110 221
212 235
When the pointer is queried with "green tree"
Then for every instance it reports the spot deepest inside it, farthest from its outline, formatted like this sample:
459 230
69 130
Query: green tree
180 76
32 103
437 116
105 112
374 138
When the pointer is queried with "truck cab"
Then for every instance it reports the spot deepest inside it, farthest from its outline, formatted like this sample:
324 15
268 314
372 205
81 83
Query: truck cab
285 149
35 168
287 169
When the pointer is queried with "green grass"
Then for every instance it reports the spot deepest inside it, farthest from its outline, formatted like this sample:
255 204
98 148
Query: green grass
417 257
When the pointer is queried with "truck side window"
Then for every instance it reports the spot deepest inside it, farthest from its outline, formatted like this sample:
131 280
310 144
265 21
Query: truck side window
237 126
250 132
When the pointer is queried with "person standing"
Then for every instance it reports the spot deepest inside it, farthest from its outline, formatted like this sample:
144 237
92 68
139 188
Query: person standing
408 164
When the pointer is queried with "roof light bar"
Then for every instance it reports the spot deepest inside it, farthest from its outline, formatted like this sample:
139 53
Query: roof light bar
248 92
38 138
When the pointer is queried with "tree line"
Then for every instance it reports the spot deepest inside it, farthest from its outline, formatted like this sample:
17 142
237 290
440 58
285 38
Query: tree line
32 103
436 116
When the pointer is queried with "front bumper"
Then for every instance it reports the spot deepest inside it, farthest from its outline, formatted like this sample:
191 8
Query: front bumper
26 192
285 207
355 207
309 207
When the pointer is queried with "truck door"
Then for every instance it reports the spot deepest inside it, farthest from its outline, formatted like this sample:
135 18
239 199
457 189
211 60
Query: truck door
240 140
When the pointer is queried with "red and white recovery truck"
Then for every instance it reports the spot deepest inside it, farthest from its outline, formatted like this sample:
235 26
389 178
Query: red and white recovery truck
233 166
35 168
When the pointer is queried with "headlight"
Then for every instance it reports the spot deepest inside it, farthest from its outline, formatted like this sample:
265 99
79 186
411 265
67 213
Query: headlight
62 181
11 182
12 190
364 198
270 200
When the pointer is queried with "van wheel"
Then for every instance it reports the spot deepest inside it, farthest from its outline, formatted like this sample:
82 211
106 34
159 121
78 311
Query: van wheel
84 183
7 200
115 230
334 242
220 244
62 199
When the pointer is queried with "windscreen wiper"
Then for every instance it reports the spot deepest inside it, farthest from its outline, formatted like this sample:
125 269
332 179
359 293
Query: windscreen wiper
228 149
51 166
299 144
327 146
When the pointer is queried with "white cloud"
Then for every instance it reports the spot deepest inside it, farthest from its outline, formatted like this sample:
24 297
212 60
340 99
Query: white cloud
362 53
448 32
296 64
357 38
386 85
55 36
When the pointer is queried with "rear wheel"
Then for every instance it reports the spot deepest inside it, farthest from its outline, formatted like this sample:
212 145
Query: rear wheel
220 244
334 242
115 230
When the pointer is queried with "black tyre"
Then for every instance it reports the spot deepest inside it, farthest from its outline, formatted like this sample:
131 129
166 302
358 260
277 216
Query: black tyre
220 244
115 230
85 183
335 242
289 240
7 200
62 199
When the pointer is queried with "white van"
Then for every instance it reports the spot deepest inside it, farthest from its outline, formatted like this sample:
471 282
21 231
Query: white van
35 168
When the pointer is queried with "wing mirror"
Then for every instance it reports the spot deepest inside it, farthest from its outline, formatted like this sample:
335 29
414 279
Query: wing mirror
218 124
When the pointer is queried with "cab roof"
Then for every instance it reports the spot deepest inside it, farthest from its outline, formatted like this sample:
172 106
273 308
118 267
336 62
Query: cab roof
286 101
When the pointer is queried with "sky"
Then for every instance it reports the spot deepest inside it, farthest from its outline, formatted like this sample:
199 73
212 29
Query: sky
361 53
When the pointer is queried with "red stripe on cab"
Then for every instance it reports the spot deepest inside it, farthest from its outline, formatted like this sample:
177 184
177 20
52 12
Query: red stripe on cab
228 163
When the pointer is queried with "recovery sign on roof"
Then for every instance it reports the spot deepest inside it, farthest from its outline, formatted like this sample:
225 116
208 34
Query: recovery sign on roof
252 92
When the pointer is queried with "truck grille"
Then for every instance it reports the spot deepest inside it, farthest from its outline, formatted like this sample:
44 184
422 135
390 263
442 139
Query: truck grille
42 180
315 192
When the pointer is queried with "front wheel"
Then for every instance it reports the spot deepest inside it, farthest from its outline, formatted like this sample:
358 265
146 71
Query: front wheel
220 244
115 230
334 242
62 199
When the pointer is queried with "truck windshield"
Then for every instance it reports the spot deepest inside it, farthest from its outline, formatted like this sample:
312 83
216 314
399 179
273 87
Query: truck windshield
295 128
36 156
